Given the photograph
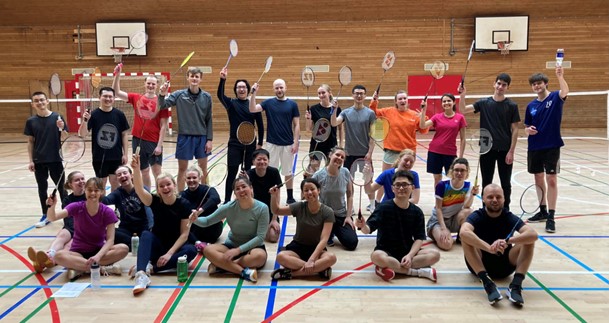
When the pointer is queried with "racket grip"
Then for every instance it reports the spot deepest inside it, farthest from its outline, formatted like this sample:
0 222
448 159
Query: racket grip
378 90
53 195
360 217
137 150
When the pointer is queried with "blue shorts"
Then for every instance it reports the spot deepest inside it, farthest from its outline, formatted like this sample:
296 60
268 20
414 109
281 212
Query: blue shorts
435 162
191 146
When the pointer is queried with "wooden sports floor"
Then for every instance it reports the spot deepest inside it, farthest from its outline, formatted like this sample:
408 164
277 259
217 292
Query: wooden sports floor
568 280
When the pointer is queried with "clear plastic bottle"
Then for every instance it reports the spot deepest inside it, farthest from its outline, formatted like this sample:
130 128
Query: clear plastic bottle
135 244
95 276
182 269
560 55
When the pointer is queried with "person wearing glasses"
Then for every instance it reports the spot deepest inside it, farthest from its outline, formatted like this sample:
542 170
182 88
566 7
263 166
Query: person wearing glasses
401 232
454 198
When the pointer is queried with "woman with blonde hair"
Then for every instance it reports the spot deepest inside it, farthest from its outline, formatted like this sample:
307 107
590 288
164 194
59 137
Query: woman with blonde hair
319 111
405 161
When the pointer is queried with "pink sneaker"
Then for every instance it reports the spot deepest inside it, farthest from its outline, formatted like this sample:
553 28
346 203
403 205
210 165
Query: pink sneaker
386 274
200 246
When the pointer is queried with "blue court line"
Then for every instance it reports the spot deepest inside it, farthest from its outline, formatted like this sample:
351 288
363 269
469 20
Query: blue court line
28 237
270 302
26 297
566 254
16 235
574 237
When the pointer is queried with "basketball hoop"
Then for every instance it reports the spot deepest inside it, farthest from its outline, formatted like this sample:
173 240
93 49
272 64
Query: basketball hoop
118 53
504 47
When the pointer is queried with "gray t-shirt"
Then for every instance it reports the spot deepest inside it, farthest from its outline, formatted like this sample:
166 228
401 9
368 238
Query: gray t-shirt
357 129
334 189
308 225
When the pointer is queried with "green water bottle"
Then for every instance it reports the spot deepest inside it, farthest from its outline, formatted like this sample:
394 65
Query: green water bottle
182 269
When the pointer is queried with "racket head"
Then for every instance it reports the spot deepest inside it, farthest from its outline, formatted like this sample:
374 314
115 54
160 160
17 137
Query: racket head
361 172
481 141
471 50
107 136
344 75
388 61
146 107
138 39
187 59
307 76
96 79
379 129
321 130
313 162
438 68
246 133
216 174
268 63
72 149
233 48
530 200
55 84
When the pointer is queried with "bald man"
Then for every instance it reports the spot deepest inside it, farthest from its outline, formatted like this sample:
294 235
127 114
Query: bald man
488 253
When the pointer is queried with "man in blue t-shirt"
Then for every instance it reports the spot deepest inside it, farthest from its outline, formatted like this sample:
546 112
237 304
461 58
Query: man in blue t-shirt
542 123
283 130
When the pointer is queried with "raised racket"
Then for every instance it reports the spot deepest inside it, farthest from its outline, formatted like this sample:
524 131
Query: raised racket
72 149
267 67
307 77
246 134
480 143
55 87
184 62
438 68
95 83
387 64
311 163
233 50
137 41
216 174
379 131
530 202
345 74
361 175
471 50
146 108
321 131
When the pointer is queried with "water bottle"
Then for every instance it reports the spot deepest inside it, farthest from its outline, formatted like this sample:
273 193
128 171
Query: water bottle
135 244
95 276
560 55
182 269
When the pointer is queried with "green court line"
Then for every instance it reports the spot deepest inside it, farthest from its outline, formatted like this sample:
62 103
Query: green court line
569 309
233 302
16 284
182 292
40 307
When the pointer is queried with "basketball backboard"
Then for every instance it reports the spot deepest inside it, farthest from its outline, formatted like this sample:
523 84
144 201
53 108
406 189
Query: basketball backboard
492 30
118 34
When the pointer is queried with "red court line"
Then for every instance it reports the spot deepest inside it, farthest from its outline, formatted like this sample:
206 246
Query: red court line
176 292
47 291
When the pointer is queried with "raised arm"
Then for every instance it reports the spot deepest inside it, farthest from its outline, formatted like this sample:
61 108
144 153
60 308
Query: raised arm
334 120
275 208
462 106
253 106
138 183
116 83
564 87
424 124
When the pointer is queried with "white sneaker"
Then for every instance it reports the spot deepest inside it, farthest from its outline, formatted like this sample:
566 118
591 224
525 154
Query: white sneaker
429 273
114 269
132 270
74 274
142 281
42 223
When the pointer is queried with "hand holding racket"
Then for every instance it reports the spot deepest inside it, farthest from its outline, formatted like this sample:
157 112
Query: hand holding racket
267 67
530 202
480 143
387 64
362 173
55 87
438 68
471 50
345 75
233 49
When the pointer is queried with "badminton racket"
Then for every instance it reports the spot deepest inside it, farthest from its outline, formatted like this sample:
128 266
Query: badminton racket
137 41
437 70
387 64
216 175
480 143
307 77
107 138
471 50
267 67
72 149
55 87
233 50
95 82
361 175
530 202
184 62
146 108
345 75
246 134
321 131
379 131
311 163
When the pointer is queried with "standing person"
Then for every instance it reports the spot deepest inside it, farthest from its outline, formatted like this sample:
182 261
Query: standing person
306 254
132 212
243 252
401 227
405 161
442 148
263 177
195 128
43 132
238 111
194 193
283 130
109 131
319 111
93 240
542 123
337 193
488 254
454 198
153 135
63 239
500 116
167 241
358 120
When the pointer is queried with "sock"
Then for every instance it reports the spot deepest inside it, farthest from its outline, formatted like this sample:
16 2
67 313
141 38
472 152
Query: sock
51 253
484 277
518 278
551 214
372 203
413 272
290 193
543 209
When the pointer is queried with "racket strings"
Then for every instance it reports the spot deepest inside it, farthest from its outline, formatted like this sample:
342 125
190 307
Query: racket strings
322 130
246 133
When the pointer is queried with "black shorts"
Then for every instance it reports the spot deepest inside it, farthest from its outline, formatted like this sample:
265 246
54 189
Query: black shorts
147 156
236 157
547 160
303 251
86 255
497 266
68 224
230 246
108 168
435 162
397 253
349 161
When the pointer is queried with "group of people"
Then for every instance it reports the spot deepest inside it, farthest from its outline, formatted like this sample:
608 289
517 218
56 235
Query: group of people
172 224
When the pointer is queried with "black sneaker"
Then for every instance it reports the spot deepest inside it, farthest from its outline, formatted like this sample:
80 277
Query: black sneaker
281 273
514 294
326 274
493 293
290 201
538 217
550 226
